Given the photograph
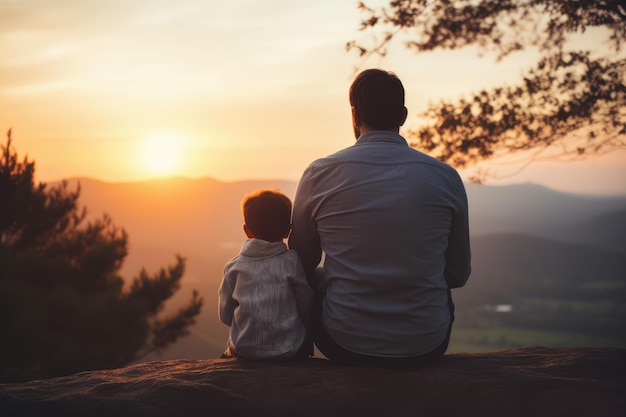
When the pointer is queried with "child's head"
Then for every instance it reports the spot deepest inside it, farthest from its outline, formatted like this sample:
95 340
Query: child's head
267 215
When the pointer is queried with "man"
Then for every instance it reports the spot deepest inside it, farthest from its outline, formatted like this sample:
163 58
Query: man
392 223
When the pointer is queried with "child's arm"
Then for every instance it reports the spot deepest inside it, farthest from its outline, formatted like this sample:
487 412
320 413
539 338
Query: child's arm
226 303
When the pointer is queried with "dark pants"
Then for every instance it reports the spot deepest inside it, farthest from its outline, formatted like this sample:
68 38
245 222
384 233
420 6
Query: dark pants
336 353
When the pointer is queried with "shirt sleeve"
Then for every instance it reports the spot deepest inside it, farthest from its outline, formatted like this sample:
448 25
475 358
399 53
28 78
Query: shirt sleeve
304 236
458 253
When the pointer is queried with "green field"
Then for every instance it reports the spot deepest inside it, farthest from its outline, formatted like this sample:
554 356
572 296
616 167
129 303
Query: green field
484 340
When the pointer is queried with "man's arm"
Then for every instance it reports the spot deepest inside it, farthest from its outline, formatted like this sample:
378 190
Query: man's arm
305 303
458 254
305 298
304 237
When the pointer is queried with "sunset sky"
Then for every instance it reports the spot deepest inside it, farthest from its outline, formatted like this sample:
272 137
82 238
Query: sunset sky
123 90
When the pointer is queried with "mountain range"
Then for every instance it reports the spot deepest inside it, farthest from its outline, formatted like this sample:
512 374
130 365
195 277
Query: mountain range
527 241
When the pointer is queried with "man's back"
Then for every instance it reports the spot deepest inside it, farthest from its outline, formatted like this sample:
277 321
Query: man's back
393 225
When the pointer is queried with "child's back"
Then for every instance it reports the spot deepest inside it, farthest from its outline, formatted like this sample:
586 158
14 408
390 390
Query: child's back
264 295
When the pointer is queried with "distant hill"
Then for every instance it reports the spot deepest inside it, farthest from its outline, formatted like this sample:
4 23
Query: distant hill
197 209
528 242
537 210
606 230
194 214
508 268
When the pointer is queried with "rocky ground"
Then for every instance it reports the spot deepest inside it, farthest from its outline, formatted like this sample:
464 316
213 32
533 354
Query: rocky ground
532 381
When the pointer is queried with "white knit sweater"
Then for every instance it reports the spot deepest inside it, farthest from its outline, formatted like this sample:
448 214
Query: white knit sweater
265 299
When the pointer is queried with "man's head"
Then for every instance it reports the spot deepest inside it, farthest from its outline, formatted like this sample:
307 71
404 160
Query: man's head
266 215
377 100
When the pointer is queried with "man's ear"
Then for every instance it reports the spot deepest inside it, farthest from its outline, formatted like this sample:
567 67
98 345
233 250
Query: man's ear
356 122
356 118
406 113
247 231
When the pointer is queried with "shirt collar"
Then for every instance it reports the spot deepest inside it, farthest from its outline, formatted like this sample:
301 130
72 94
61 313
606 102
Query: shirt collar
259 248
381 136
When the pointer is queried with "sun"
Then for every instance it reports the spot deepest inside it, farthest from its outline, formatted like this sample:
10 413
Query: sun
160 153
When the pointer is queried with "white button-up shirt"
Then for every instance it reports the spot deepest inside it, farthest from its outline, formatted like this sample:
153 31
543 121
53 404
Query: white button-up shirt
393 225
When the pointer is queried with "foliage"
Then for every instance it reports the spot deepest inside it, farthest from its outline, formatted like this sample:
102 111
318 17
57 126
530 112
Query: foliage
63 307
569 105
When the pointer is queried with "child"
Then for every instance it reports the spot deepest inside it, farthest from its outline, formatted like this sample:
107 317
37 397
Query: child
264 296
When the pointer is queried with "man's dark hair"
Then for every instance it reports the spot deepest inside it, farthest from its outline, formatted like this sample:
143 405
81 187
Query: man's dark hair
378 99
267 213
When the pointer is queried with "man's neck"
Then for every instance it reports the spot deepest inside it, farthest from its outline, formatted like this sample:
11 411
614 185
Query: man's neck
365 129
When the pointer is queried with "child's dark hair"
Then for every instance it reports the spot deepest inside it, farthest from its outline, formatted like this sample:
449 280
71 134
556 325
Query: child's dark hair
267 214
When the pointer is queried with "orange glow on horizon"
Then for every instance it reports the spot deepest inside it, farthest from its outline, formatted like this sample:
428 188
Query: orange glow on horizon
95 92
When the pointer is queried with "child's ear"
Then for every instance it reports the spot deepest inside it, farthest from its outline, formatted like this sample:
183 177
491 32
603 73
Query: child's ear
247 231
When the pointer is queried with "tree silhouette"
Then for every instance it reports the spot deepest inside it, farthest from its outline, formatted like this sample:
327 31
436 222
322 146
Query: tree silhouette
63 308
571 104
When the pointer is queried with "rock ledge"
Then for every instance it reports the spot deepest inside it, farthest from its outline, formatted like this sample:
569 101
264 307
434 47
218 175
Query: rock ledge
533 381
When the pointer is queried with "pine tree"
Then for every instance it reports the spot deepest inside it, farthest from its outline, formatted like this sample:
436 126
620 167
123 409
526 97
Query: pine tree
63 307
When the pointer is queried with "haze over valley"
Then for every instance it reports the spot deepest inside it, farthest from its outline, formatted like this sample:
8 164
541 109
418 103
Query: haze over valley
549 268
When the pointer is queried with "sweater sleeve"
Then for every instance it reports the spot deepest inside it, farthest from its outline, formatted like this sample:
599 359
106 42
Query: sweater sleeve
226 302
